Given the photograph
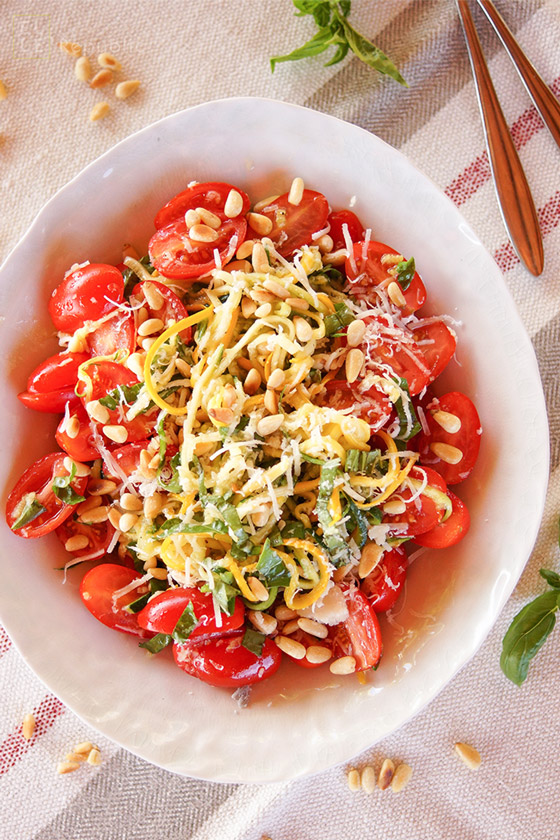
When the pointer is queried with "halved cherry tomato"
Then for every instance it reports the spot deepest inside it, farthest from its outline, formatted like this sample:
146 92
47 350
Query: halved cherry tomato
87 294
163 612
211 196
99 536
176 255
452 530
53 402
437 343
223 661
171 308
434 479
360 635
117 333
97 592
105 377
344 217
363 273
466 440
383 585
37 480
82 447
374 406
293 225
127 457
389 345
51 385
421 515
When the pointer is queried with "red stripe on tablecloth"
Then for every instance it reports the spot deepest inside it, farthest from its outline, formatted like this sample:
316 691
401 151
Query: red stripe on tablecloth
549 217
14 747
5 642
477 173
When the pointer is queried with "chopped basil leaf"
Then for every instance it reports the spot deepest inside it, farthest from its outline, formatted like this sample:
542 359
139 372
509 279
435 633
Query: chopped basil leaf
177 526
253 641
374 515
262 605
186 624
31 510
292 530
364 463
338 320
63 490
162 438
357 521
271 568
138 604
405 273
312 460
223 591
168 476
335 535
157 643
408 428
131 279
120 395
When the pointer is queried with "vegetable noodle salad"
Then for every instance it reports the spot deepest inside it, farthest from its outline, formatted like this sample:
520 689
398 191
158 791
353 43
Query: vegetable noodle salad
249 432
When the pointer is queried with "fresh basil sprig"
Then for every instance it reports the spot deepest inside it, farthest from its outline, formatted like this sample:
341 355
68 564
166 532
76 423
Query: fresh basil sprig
529 630
334 30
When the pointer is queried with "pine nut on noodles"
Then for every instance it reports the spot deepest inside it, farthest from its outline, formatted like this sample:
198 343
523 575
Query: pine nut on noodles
248 306
105 59
271 401
401 778
343 665
468 755
152 506
317 654
82 69
129 501
446 452
395 294
127 522
259 223
297 303
296 191
99 111
263 622
314 628
304 330
258 589
252 382
135 363
448 422
290 647
269 425
386 774
355 333
368 779
151 326
259 258
354 361
263 311
233 205
276 289
277 379
353 779
28 727
102 78
125 89
202 233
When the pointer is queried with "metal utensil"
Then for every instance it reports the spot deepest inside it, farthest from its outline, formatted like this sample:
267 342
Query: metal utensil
545 102
514 196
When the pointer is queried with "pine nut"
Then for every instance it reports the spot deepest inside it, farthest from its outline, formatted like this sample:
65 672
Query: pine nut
248 306
83 747
446 452
73 427
81 469
245 249
28 727
282 612
263 310
142 315
72 49
259 223
396 294
128 501
401 778
114 517
192 218
97 411
202 233
258 589
100 486
265 202
297 303
290 647
76 543
269 425
355 332
335 257
448 422
102 78
386 774
154 463
252 382
290 627
225 416
150 563
277 379
151 326
262 296
296 192
394 507
276 289
354 362
82 69
468 755
230 396
209 218
127 522
99 111
259 258
67 767
116 433
125 89
314 628
317 654
262 621
233 205
145 458
325 243
152 295
368 779
153 505
183 367
391 259
353 779
260 517
94 756
371 555
135 363
158 573
107 60
146 343
89 504
271 401
343 665
95 515
304 330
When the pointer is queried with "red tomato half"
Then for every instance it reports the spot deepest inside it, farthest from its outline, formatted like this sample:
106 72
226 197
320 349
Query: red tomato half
86 294
172 307
224 661
363 273
466 440
421 515
360 635
105 377
99 536
53 402
175 255
383 585
37 480
374 406
452 530
127 457
344 217
163 612
97 590
117 333
294 225
394 347
211 196
82 447
58 371
437 343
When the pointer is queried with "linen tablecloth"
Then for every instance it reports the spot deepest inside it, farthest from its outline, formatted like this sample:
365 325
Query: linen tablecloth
186 53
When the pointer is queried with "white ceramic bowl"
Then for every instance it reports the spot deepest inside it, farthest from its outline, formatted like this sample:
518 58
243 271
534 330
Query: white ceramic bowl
301 721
